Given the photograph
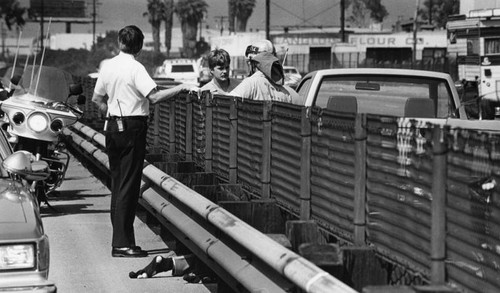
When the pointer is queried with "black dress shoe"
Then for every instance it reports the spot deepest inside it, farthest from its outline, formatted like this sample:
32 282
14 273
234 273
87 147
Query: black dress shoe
128 252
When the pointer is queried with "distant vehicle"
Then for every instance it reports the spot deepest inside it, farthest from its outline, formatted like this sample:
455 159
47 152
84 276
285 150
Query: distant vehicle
180 70
475 39
384 91
24 246
292 76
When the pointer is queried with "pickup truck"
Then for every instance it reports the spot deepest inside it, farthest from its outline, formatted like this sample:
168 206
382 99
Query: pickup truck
384 91
424 95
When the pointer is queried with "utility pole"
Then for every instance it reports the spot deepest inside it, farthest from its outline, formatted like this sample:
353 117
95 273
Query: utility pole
93 25
415 28
4 35
342 20
268 37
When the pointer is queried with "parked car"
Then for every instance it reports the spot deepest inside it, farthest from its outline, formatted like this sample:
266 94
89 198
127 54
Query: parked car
292 76
24 246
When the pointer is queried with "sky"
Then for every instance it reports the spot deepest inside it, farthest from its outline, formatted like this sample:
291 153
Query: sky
114 14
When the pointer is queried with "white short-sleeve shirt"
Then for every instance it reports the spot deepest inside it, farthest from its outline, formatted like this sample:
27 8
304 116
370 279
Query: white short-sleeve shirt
127 83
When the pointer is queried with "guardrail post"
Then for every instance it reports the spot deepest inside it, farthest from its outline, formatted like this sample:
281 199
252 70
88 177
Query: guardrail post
266 150
208 131
359 220
171 129
233 142
438 206
305 165
189 128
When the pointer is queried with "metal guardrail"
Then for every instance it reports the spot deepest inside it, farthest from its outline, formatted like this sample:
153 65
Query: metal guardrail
162 193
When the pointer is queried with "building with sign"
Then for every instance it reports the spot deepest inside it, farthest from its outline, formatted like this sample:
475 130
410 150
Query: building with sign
320 48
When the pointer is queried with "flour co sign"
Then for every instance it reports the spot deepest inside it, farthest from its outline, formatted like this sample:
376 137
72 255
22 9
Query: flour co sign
383 41
398 40
307 39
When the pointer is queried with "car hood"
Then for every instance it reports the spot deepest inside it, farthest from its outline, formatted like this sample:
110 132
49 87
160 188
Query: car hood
19 216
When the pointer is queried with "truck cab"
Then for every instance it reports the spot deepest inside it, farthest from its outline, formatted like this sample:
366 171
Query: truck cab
384 91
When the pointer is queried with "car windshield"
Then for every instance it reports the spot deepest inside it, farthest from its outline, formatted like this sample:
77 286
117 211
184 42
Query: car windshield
373 86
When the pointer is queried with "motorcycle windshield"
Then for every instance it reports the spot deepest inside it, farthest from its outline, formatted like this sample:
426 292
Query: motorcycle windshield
47 84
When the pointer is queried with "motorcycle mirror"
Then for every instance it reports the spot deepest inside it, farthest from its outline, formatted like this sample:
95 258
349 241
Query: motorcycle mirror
75 89
19 163
81 100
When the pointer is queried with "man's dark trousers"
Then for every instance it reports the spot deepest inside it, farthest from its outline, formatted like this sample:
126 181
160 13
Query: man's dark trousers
126 152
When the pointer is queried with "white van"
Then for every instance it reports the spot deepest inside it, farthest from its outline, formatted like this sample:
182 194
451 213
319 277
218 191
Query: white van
180 70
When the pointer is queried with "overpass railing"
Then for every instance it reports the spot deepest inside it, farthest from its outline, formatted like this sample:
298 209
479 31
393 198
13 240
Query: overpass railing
424 196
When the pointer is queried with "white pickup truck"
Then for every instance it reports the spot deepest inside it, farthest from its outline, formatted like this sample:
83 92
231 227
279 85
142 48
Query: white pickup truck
388 91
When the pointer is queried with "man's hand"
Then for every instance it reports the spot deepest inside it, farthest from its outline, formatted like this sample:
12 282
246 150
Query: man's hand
103 107
195 91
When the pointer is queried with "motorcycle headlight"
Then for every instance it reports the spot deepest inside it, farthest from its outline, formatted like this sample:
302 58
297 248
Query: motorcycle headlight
38 122
56 125
17 256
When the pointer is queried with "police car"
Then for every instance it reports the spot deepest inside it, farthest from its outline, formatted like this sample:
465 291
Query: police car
180 70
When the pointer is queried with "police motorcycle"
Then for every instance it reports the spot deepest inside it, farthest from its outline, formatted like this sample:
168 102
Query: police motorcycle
38 107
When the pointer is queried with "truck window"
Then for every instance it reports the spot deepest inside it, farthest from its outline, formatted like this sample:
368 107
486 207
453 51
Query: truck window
304 87
492 46
385 88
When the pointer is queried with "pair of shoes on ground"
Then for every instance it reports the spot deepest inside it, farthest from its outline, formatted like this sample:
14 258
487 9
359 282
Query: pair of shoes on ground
134 251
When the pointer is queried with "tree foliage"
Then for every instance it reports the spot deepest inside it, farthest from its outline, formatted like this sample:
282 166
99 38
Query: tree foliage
239 11
168 18
361 8
436 12
156 10
12 12
190 13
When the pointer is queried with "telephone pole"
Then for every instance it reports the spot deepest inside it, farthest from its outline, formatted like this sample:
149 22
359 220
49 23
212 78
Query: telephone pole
267 19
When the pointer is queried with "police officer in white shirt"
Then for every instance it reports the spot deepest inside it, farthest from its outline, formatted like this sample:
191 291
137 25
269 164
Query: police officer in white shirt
123 91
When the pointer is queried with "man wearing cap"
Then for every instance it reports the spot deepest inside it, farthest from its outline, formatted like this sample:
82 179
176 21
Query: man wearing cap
266 81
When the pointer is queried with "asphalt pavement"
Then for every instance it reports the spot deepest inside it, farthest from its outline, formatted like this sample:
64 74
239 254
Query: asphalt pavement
79 232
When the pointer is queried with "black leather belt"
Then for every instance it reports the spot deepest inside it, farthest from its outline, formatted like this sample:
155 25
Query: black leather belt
141 118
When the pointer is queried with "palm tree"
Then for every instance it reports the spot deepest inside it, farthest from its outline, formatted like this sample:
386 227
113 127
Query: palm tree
168 17
361 9
155 17
230 15
190 12
12 12
242 10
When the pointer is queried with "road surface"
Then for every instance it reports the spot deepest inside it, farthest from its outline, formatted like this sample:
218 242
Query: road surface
80 243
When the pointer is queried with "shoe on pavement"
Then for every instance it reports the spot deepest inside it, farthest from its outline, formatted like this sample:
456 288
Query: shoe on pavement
134 251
